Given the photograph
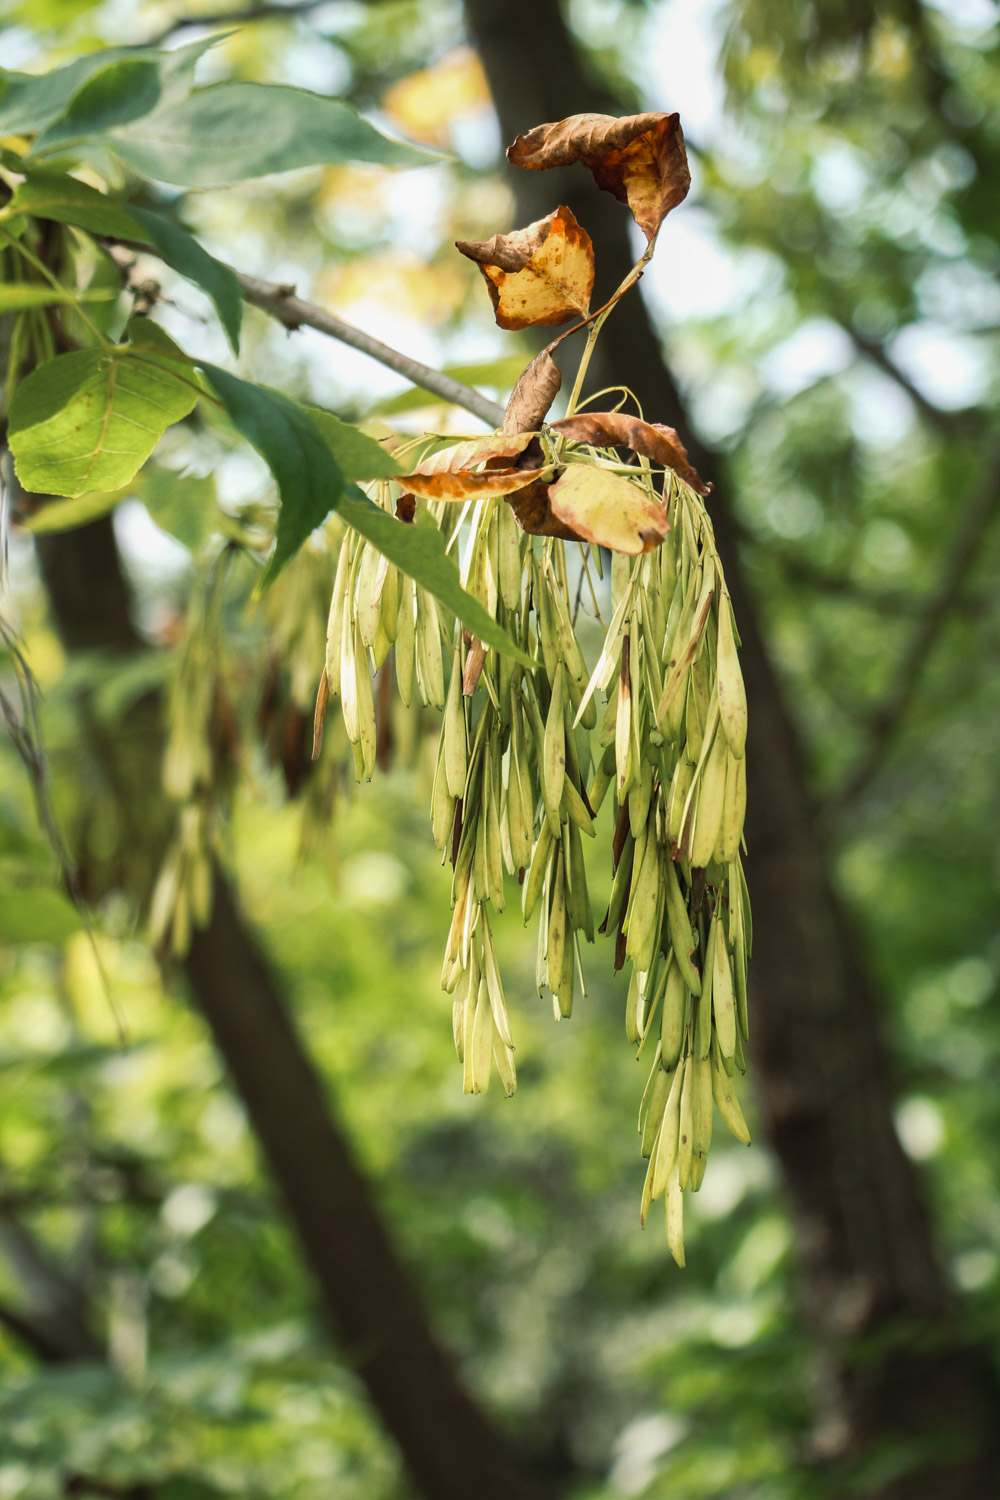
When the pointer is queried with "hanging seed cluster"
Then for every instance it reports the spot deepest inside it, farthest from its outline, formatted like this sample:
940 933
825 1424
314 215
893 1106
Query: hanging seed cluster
525 760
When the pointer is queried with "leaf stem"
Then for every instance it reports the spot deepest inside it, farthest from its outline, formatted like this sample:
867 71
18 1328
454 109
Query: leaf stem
598 319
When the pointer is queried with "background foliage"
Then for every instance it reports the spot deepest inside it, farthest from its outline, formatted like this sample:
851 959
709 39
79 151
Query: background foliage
831 309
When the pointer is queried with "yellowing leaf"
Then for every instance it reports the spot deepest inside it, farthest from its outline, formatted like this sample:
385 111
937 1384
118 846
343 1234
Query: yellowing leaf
639 158
604 508
425 104
539 275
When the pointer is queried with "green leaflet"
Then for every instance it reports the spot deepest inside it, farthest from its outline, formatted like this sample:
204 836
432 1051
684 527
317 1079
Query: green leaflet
63 515
233 131
309 480
419 550
358 455
114 95
53 195
36 914
30 102
89 420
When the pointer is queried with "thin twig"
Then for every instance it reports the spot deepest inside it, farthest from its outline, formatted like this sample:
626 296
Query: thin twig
265 12
886 722
280 302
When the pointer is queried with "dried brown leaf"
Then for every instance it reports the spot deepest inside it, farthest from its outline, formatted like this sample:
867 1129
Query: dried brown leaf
536 389
616 429
539 275
469 486
604 508
533 513
639 158
472 451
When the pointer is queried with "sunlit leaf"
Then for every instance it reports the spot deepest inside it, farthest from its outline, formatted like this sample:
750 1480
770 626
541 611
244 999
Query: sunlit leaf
604 508
426 104
540 275
89 420
639 158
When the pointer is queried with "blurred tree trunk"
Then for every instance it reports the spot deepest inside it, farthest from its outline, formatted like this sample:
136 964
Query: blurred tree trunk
894 1371
451 1448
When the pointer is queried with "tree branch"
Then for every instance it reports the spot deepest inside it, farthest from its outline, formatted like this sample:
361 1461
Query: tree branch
886 721
280 302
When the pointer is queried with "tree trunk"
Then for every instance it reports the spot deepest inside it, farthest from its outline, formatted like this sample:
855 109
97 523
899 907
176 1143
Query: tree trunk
450 1447
869 1275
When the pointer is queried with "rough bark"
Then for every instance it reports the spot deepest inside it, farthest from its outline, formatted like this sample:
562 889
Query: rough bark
872 1288
450 1447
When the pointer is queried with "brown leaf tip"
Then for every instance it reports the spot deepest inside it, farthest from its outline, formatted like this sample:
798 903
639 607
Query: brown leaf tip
639 158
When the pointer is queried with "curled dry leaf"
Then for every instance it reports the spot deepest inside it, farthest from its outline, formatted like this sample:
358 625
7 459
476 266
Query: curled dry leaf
616 429
469 486
472 451
538 275
606 509
536 389
639 158
450 474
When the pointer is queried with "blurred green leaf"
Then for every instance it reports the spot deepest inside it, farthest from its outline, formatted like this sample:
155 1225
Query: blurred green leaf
234 131
114 95
36 914
184 505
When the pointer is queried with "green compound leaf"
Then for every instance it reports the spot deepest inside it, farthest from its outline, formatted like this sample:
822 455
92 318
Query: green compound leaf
51 195
234 131
358 455
419 550
89 420
309 480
